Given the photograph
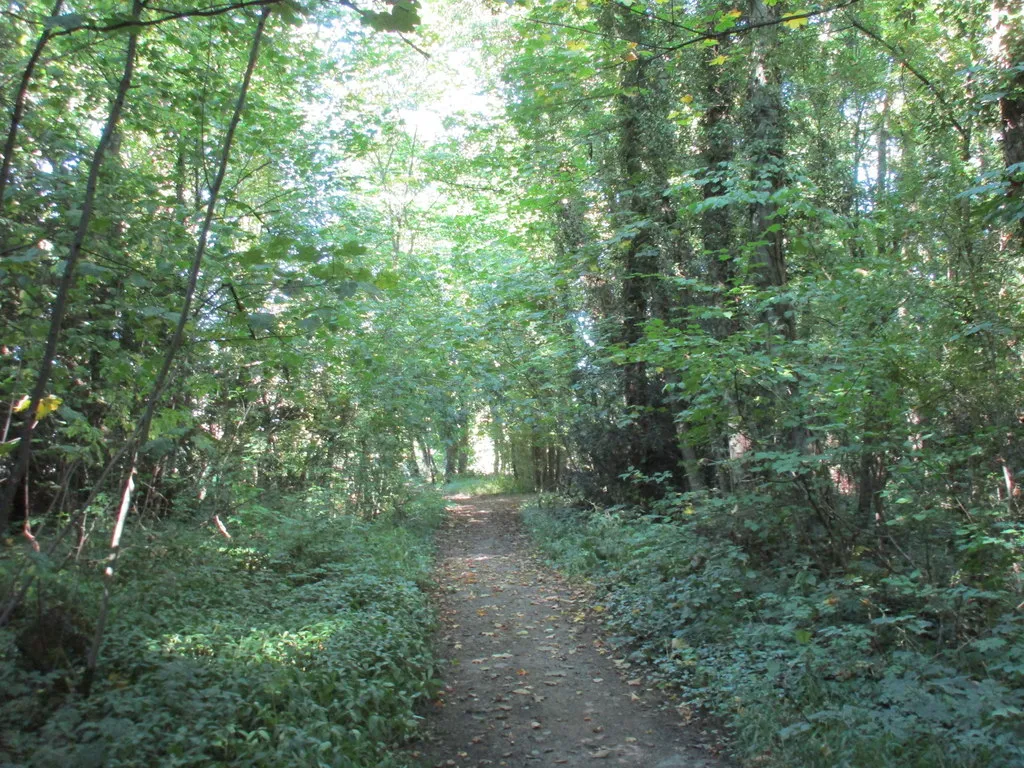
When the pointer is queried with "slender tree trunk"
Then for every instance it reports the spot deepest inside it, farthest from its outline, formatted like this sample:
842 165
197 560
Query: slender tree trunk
142 429
428 461
883 153
17 112
59 308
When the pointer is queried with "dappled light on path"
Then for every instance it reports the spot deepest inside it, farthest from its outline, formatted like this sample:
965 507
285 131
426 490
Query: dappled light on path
527 680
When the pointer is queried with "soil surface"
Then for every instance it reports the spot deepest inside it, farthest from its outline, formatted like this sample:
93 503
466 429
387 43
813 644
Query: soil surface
528 679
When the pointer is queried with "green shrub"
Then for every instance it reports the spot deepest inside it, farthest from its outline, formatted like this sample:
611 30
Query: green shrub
808 670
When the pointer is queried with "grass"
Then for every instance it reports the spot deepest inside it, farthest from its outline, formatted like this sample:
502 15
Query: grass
484 485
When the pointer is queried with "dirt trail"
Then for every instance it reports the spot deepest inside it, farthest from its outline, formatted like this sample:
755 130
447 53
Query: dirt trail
529 682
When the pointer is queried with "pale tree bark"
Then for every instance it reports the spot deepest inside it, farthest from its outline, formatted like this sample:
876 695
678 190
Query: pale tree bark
142 429
59 308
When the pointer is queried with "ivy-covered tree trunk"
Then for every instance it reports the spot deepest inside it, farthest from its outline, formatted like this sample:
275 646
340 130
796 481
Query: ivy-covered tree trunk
767 143
653 446
717 144
1008 50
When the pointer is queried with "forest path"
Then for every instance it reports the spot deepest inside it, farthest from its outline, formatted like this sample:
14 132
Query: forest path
528 680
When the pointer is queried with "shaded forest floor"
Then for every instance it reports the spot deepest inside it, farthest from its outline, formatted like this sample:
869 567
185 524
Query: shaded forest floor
527 676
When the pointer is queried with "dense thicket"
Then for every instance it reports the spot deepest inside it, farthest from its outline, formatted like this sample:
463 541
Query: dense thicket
743 278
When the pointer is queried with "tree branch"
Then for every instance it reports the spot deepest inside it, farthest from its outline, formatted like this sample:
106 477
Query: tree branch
903 60
219 10
742 30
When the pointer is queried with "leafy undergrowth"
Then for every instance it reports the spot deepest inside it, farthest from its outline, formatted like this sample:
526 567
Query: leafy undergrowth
302 641
808 670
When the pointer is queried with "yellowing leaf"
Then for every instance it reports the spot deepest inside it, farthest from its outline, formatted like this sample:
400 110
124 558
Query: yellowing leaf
575 45
630 56
46 406
718 60
733 14
687 99
795 23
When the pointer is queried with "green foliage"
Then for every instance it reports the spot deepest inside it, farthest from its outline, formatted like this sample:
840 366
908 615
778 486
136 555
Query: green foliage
304 640
809 669
485 485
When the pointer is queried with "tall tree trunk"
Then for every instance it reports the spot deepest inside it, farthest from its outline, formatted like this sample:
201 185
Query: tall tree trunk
768 146
717 152
652 446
